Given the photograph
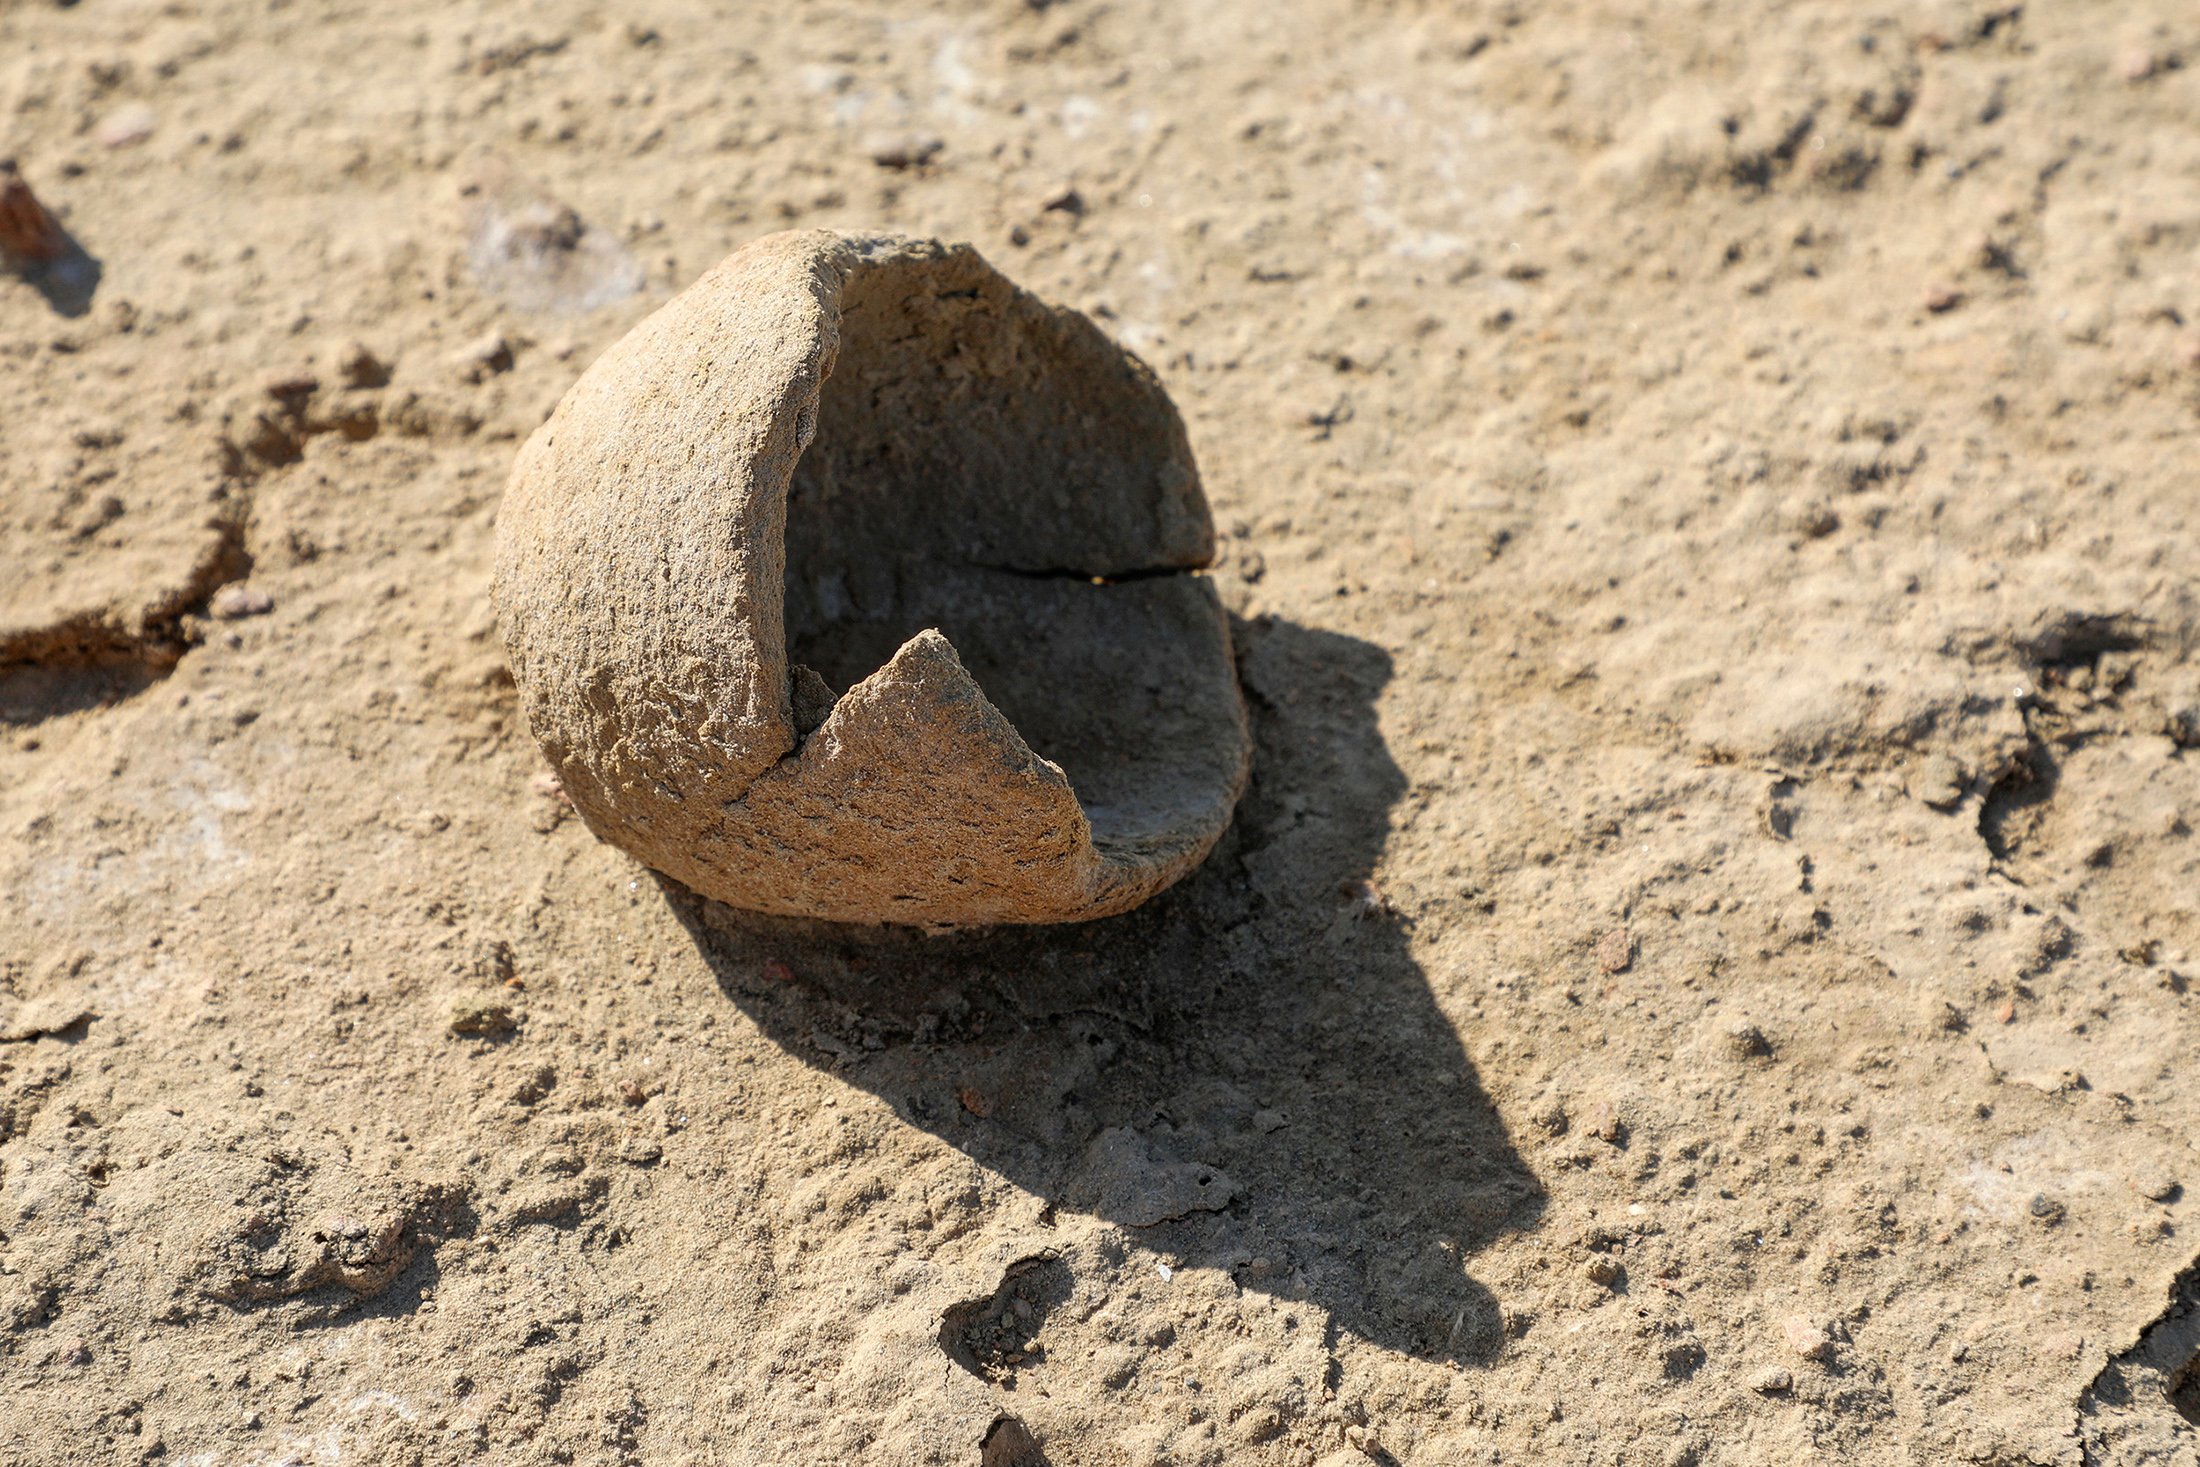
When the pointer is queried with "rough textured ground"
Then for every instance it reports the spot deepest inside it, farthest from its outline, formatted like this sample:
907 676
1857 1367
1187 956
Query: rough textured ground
1704 972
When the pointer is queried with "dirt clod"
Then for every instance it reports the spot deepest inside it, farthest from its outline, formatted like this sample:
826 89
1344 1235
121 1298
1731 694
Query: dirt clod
357 364
1745 1040
486 1017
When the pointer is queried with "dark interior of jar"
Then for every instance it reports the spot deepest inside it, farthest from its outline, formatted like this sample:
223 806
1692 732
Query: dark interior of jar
1003 473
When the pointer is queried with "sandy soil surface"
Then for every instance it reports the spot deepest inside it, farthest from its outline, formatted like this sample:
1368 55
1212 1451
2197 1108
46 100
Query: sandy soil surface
1703 973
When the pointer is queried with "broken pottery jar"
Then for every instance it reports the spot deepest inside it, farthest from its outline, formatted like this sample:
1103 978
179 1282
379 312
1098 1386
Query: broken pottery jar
858 584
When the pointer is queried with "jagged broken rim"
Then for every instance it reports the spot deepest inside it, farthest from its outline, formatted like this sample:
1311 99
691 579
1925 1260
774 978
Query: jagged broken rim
872 463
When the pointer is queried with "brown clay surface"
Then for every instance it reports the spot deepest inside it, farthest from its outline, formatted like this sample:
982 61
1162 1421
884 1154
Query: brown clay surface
873 455
1704 970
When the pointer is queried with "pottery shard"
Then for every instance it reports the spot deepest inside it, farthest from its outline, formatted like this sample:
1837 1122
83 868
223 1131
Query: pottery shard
873 464
27 231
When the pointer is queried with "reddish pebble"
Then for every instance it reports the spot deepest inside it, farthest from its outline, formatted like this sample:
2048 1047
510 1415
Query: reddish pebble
977 1102
1806 1337
2137 63
777 971
1940 298
1616 952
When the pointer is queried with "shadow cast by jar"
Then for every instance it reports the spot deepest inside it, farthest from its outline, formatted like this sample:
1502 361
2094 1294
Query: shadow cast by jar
1250 1072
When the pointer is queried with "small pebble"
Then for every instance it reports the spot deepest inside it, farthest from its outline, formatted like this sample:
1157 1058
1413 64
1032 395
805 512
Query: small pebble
1773 1381
1941 297
2137 64
126 126
235 601
1616 951
1806 1337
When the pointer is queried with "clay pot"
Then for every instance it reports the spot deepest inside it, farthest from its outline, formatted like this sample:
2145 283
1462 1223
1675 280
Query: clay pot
873 464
